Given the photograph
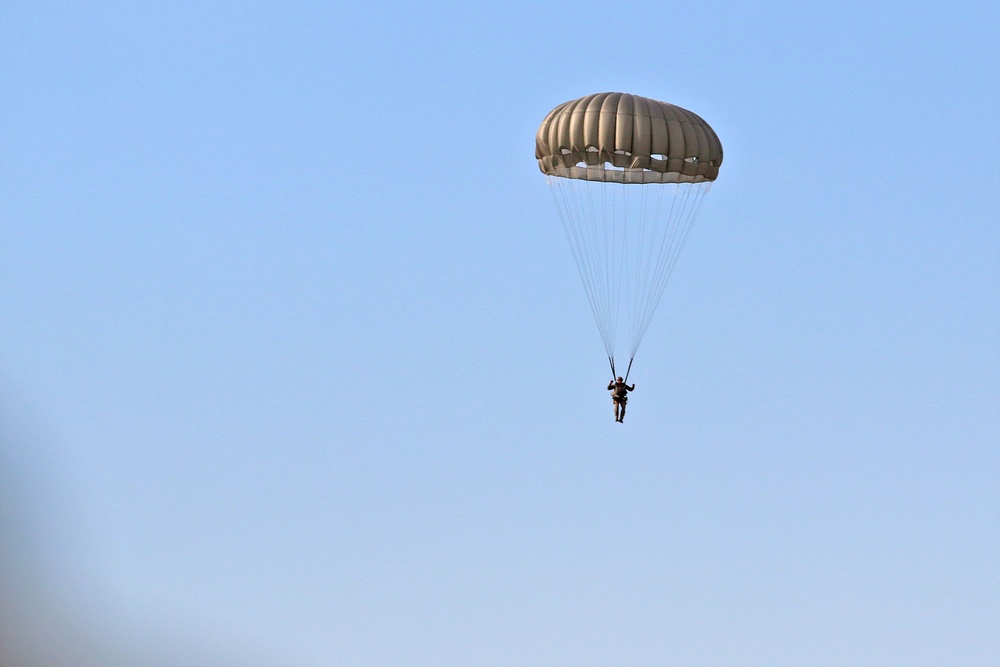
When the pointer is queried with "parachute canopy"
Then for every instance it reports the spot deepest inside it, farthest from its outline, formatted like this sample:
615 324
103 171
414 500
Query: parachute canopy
628 175
622 138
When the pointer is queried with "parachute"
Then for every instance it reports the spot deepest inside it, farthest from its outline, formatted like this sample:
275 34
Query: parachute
628 175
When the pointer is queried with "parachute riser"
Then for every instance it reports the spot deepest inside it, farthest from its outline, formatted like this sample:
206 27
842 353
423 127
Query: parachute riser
628 370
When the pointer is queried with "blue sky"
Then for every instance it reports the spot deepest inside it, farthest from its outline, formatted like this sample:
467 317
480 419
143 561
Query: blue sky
297 369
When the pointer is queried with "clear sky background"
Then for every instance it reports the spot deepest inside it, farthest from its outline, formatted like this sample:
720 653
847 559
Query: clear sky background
297 368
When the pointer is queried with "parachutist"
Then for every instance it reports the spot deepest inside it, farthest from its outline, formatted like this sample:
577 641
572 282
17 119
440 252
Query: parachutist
619 394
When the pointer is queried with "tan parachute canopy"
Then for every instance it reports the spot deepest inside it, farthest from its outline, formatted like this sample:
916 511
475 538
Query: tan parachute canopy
622 138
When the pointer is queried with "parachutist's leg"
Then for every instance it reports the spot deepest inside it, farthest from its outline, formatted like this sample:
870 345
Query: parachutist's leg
616 410
622 418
